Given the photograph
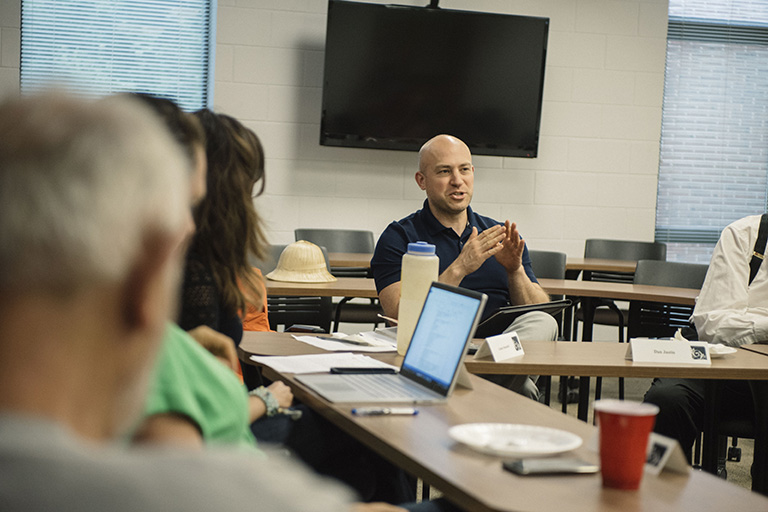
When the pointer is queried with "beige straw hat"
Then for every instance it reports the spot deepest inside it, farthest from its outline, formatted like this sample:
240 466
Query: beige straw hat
301 262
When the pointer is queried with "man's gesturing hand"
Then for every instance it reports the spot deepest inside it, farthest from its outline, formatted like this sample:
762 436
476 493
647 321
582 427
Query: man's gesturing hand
480 247
511 254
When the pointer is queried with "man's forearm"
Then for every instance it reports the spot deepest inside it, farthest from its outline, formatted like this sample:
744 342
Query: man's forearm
732 327
523 291
452 275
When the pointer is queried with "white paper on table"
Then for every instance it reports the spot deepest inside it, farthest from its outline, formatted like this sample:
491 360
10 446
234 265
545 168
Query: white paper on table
315 363
378 343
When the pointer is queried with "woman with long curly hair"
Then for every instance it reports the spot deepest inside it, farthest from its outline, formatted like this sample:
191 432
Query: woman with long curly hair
219 281
220 285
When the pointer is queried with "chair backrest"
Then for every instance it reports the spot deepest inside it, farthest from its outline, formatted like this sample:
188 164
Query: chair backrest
654 319
340 240
627 250
288 311
670 273
548 264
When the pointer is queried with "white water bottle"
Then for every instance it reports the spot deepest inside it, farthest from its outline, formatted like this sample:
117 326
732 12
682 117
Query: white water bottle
420 267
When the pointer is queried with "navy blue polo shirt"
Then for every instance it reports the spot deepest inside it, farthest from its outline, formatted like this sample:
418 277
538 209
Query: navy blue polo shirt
490 278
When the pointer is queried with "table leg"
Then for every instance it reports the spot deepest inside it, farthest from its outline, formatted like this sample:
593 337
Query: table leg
710 444
588 312
583 411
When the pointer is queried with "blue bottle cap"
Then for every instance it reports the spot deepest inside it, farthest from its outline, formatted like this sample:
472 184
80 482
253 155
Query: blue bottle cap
421 248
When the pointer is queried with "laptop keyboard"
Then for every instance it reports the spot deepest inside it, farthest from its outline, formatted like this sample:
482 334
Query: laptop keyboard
383 386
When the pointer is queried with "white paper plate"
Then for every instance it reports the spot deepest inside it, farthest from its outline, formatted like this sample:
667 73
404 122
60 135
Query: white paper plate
719 350
511 440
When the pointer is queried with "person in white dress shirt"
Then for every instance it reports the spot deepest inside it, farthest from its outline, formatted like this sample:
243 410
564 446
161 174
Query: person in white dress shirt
730 310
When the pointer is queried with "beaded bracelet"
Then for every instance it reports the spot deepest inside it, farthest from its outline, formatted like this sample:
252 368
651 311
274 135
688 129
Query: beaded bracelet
268 398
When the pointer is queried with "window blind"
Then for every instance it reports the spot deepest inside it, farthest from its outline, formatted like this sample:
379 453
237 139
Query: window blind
714 145
98 47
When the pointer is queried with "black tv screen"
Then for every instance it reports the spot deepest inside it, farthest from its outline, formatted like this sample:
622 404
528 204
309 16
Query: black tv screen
395 76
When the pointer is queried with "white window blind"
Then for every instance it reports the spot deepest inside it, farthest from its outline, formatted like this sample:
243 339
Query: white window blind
714 144
98 47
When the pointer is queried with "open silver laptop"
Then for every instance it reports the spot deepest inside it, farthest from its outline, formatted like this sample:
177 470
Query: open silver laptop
431 365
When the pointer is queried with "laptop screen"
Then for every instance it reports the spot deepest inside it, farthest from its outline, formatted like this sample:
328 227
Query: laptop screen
446 324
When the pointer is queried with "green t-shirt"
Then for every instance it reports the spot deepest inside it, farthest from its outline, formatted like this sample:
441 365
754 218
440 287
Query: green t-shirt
190 381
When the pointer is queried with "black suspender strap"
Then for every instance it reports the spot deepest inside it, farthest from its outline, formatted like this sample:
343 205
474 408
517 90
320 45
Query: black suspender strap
758 254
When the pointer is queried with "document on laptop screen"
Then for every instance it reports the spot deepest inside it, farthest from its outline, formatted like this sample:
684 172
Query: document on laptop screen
438 341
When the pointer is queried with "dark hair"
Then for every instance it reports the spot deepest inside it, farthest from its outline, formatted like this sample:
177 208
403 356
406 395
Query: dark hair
184 127
228 229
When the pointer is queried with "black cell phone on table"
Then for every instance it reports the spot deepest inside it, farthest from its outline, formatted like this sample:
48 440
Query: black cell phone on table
353 371
550 466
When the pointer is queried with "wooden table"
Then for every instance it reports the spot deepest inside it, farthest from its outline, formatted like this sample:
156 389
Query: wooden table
349 259
421 445
758 348
362 287
591 359
363 260
606 359
599 265
620 291
342 287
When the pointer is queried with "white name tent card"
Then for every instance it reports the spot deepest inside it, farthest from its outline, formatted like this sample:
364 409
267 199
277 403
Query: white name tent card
665 453
653 350
662 453
501 347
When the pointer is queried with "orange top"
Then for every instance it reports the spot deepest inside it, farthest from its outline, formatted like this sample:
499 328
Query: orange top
255 319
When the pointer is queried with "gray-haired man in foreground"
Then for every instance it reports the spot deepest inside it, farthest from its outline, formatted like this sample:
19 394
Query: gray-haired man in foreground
94 206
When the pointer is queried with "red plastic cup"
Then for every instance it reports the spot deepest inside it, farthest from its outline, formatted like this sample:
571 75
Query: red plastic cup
625 426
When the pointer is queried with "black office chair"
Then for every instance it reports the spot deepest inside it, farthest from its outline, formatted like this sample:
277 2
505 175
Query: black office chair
655 319
658 320
347 240
615 250
295 313
549 265
606 311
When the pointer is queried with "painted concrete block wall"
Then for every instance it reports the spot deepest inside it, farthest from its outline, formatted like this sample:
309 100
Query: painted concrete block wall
10 46
596 174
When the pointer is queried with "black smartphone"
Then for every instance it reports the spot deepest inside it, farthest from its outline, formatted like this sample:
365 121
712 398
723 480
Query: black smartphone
550 466
347 369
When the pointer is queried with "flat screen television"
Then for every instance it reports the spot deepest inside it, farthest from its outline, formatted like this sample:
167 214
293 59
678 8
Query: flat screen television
395 76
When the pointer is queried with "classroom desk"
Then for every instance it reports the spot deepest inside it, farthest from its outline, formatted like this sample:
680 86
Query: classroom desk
591 359
421 445
349 259
587 290
366 288
342 287
595 359
606 359
599 265
620 291
363 260
758 348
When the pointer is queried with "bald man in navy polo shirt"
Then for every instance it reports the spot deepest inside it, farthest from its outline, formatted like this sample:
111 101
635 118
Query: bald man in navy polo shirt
475 252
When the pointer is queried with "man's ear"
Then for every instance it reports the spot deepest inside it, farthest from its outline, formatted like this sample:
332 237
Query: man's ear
149 288
420 180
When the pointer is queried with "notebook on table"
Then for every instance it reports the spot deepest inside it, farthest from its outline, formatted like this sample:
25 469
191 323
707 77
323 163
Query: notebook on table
431 365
